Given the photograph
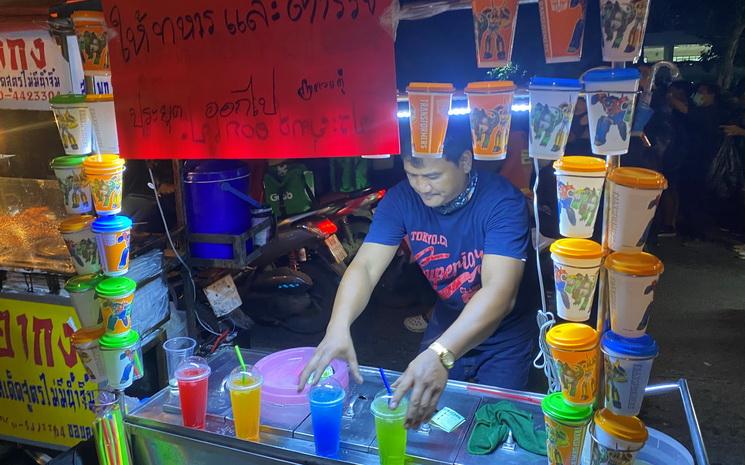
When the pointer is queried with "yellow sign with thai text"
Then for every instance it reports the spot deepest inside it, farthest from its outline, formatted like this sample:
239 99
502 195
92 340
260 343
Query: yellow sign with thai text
44 389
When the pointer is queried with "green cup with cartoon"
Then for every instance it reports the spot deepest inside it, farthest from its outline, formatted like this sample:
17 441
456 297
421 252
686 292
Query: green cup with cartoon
76 193
116 296
121 359
81 243
566 427
73 123
82 290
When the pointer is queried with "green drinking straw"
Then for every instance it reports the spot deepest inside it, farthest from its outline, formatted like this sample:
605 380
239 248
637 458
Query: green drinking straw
240 360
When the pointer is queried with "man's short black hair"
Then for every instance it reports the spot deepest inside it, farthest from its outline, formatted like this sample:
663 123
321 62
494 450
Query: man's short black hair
457 141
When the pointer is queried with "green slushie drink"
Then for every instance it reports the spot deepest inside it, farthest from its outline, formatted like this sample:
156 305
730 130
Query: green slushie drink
389 427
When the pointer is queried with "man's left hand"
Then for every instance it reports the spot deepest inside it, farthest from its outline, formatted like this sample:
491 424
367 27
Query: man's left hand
426 378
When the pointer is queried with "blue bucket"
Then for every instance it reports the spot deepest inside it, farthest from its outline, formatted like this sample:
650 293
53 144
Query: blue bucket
217 202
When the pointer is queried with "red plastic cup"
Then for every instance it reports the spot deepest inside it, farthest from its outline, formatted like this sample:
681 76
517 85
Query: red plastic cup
192 376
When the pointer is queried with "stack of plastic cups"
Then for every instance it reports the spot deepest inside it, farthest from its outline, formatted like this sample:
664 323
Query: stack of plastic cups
105 175
108 430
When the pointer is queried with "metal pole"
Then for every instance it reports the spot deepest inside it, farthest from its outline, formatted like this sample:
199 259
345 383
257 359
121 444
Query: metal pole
694 428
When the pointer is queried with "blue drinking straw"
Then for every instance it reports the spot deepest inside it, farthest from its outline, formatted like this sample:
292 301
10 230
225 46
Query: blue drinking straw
385 382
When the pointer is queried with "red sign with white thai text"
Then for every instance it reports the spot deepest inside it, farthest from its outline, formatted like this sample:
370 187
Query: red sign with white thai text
253 79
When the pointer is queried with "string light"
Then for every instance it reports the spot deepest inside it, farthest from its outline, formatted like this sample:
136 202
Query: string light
462 111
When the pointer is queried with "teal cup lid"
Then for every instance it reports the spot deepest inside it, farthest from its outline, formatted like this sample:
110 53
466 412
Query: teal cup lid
115 287
111 224
67 99
118 341
83 283
557 408
67 161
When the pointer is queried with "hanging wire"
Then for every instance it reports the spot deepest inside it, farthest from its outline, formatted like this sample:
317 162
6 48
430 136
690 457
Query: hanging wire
543 360
152 186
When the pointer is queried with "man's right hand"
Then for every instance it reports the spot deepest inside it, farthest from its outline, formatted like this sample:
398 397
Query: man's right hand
336 344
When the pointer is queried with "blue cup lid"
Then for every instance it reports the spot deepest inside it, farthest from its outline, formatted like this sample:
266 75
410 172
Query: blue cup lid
327 391
112 223
606 75
537 81
644 346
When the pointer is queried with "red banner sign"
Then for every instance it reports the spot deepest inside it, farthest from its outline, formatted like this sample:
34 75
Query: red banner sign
253 79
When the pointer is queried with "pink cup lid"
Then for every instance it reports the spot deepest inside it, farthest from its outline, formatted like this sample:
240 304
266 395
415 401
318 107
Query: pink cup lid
281 371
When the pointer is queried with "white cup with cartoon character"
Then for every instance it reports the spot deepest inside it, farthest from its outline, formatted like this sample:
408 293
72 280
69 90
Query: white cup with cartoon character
611 96
552 103
632 280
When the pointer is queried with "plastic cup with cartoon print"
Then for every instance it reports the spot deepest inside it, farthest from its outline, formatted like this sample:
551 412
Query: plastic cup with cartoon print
90 29
552 103
635 194
104 122
81 243
494 31
563 28
112 240
632 279
576 268
193 380
245 400
611 96
85 341
121 358
574 347
628 364
429 104
76 193
616 439
73 123
491 114
116 296
389 429
105 174
82 290
622 24
177 350
579 186
566 427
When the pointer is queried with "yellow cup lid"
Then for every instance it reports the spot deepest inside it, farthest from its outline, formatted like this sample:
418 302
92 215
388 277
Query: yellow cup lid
430 87
87 14
638 178
639 264
103 161
629 429
76 223
577 248
84 335
579 163
490 86
572 336
99 98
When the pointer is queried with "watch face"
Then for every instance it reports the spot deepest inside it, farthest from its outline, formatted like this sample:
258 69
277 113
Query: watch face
448 360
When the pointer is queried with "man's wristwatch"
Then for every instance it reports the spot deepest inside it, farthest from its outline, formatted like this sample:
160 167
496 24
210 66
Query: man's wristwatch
447 358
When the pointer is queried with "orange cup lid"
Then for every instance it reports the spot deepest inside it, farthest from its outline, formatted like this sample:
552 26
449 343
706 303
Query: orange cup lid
433 87
629 429
99 98
76 223
87 15
572 336
579 163
103 161
577 248
638 178
639 264
490 86
84 335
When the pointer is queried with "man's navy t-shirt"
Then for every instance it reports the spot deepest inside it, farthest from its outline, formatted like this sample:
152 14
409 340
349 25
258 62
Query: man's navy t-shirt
449 248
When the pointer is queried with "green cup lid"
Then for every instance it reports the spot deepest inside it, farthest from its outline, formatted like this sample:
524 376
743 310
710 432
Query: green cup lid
119 341
83 283
555 406
67 99
68 161
115 287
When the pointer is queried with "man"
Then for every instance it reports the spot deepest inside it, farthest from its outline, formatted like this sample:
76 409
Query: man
469 232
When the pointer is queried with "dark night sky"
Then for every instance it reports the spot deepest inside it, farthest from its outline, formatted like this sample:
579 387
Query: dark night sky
442 48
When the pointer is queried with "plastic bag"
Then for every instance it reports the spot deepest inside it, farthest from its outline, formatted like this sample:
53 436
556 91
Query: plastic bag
727 176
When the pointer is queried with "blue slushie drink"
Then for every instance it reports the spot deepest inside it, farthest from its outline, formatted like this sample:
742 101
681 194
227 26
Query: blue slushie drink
326 407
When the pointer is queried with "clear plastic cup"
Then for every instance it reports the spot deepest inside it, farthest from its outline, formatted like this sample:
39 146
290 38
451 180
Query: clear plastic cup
245 399
177 350
192 376
326 409
389 428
